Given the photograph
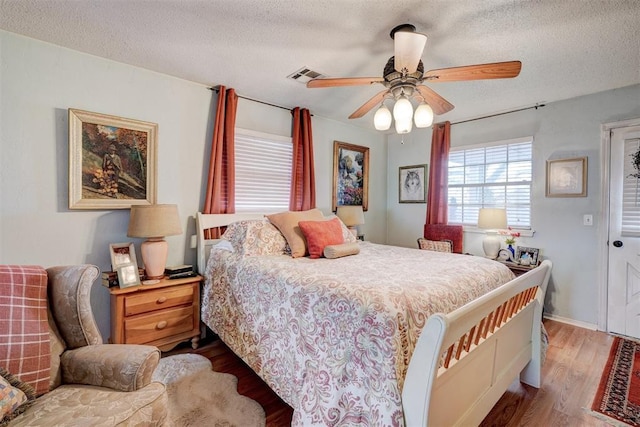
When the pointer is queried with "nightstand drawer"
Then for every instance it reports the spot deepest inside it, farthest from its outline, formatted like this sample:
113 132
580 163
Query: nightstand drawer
165 323
157 300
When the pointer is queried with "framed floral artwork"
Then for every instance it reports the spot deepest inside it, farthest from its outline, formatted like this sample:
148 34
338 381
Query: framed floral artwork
112 161
350 175
411 184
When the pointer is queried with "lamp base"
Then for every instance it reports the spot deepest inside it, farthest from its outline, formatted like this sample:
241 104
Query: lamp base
353 230
154 257
491 246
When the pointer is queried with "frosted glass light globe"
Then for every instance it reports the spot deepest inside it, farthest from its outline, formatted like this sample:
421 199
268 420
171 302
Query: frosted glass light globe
404 126
403 110
382 118
423 116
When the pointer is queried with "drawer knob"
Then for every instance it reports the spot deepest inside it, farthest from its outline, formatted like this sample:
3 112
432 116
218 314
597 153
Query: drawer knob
162 324
161 300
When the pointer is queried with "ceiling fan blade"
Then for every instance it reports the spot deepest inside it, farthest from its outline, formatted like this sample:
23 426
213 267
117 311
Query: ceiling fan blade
438 104
344 81
408 48
367 106
496 70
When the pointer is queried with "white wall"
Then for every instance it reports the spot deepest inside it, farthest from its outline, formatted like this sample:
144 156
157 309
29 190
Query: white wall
39 82
563 129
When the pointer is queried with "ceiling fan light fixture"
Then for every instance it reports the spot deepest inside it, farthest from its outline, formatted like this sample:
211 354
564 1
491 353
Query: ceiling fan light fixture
404 126
403 110
423 116
408 49
382 118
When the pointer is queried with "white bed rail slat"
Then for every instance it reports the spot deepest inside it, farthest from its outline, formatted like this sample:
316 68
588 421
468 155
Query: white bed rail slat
498 336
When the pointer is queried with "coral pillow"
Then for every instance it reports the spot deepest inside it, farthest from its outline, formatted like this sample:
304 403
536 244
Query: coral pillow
287 223
320 234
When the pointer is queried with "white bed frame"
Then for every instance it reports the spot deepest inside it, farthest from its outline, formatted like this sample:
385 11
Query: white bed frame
463 361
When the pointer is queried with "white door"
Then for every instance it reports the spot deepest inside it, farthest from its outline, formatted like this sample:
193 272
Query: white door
623 293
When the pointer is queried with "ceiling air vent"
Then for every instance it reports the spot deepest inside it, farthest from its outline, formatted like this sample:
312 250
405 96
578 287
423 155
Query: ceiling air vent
304 74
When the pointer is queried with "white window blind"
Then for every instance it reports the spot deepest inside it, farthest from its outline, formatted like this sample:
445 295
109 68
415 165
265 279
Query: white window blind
495 175
263 171
630 191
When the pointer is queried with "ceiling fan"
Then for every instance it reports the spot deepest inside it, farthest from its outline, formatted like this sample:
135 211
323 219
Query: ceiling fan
403 76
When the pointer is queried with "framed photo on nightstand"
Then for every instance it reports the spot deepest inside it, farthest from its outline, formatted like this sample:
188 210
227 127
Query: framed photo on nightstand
128 275
527 256
124 262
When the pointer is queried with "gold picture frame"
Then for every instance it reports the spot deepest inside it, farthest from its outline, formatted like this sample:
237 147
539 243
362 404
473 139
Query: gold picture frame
350 175
412 184
567 177
112 161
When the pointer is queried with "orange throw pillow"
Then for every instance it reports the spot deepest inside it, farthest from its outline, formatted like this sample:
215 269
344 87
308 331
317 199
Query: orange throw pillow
320 234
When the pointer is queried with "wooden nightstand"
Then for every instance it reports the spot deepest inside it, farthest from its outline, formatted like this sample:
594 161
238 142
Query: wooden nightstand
163 314
518 269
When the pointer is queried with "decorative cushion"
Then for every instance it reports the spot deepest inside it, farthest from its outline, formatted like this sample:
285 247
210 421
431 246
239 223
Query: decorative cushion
287 223
255 237
24 330
320 234
347 235
433 245
15 396
344 249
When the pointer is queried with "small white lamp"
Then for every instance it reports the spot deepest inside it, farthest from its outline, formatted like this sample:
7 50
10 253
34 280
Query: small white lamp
352 216
154 222
492 219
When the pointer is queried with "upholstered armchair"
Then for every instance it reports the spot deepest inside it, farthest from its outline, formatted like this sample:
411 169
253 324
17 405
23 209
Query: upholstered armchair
453 233
53 345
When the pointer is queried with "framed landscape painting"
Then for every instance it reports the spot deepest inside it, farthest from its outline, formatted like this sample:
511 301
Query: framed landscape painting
350 175
112 161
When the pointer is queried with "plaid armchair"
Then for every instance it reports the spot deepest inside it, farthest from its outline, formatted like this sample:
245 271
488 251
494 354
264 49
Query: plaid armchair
52 352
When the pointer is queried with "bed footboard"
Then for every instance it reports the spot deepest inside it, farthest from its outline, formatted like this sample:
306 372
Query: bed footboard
465 360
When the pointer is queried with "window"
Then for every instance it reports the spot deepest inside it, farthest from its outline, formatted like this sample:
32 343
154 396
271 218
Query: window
494 175
263 171
630 191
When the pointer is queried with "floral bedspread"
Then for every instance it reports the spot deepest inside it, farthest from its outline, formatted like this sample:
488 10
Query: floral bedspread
333 337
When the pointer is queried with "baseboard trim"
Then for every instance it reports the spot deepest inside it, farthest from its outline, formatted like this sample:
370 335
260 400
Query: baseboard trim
585 325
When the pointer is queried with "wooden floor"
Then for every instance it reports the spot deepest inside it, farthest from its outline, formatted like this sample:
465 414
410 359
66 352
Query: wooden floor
571 375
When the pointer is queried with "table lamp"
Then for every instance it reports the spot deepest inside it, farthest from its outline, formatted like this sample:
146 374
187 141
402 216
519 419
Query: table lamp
154 222
492 219
352 216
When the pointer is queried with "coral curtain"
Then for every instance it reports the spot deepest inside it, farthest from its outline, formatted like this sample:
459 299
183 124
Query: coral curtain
437 198
220 196
303 181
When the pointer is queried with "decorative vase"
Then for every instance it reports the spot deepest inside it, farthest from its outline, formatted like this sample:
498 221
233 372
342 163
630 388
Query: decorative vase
513 251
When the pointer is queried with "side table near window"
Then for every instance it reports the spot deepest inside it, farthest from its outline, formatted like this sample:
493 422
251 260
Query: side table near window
163 314
518 269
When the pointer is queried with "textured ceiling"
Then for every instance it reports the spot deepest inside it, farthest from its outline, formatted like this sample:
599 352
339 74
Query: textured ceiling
567 47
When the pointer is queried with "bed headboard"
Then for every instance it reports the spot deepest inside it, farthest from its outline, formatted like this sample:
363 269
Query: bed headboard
206 221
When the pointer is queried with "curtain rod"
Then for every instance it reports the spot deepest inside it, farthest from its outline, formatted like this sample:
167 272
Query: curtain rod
255 100
499 114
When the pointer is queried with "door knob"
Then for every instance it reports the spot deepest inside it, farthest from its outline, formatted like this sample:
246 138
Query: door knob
617 243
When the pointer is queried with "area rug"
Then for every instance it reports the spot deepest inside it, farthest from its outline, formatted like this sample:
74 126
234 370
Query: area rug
199 396
618 396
